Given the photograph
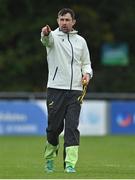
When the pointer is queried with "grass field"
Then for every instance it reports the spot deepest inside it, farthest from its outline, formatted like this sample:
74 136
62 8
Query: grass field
108 157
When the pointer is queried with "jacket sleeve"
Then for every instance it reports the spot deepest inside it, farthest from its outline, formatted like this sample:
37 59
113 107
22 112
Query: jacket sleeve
86 62
47 40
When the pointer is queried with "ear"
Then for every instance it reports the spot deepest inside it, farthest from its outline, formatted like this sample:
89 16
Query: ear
74 21
58 20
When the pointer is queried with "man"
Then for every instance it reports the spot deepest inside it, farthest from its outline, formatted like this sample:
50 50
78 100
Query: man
69 65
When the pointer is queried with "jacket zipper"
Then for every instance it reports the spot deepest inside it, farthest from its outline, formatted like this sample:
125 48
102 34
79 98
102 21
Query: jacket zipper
71 63
55 73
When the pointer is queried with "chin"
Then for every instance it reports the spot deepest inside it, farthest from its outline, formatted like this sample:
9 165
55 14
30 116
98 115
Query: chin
65 30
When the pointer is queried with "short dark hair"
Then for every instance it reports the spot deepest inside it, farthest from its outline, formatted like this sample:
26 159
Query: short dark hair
65 11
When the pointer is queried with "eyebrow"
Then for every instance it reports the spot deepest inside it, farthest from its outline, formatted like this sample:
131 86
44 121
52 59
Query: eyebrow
64 18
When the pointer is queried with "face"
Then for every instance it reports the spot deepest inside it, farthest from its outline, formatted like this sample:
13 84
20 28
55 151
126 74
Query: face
66 23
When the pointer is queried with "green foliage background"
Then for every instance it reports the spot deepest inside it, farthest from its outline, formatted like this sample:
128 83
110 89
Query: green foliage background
23 64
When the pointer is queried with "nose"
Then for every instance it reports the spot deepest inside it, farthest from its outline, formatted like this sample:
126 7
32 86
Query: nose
64 22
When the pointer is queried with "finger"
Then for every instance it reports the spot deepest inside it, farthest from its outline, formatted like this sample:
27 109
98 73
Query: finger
44 28
48 28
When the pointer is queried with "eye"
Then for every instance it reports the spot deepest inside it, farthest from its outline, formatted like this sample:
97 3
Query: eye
61 19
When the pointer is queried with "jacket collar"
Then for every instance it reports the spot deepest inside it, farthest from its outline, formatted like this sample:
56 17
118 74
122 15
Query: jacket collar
60 33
